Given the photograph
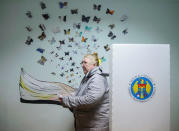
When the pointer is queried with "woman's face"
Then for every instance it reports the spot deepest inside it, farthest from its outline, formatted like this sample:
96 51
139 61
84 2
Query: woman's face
87 65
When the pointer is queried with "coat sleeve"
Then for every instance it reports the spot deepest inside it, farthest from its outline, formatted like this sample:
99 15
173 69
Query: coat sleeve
95 91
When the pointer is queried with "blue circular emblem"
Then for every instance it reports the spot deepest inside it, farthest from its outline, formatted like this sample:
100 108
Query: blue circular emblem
141 88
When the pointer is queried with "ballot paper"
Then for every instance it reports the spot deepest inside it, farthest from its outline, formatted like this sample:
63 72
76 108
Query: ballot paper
33 90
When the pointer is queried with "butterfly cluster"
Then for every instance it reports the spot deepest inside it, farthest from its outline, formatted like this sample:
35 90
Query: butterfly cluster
70 39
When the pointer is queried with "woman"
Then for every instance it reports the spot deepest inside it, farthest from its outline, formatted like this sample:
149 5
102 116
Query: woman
90 103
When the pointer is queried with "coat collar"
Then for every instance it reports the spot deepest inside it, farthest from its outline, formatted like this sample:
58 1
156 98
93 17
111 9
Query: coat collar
96 70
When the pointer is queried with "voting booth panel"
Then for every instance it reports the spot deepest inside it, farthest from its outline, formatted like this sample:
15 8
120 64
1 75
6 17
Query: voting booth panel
140 87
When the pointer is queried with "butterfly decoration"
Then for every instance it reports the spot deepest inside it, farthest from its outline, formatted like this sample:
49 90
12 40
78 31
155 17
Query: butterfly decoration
64 18
74 11
67 32
42 27
106 47
88 28
70 58
63 4
111 35
71 70
62 74
103 59
53 73
56 30
42 60
71 39
67 53
72 74
85 19
56 55
125 31
46 16
83 39
76 25
69 81
29 14
108 11
96 7
111 26
52 41
40 50
94 39
123 18
42 5
96 19
73 64
42 36
61 58
62 67
52 52
62 42
29 40
77 67
58 47
28 28
98 30
74 51
78 34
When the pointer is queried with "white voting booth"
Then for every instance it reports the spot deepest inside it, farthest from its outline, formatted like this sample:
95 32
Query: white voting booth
140 87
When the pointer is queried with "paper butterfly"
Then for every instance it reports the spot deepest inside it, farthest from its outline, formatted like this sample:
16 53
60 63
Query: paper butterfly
108 11
85 19
29 40
76 25
40 50
67 32
63 4
83 39
42 27
62 42
125 31
52 41
28 28
97 20
74 51
29 14
71 39
53 73
66 53
74 11
61 58
64 18
94 39
97 7
106 47
103 59
46 16
42 4
111 26
42 60
87 28
42 36
111 35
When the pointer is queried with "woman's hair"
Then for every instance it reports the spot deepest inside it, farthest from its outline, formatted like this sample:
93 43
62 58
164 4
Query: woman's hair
93 57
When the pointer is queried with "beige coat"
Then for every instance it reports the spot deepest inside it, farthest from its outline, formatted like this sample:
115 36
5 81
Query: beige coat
90 103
